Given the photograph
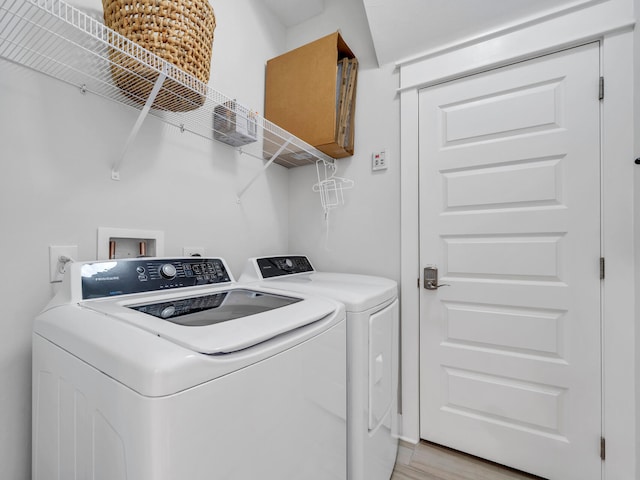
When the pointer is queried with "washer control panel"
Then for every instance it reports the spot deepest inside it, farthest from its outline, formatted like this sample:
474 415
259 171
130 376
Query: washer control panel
109 278
278 266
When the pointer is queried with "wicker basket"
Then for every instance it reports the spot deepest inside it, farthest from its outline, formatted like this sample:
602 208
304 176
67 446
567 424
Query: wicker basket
178 31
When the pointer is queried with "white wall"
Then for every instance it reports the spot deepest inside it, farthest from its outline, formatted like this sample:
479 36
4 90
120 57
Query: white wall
57 147
364 233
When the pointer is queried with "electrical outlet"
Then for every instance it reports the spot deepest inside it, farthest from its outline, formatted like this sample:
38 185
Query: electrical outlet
193 251
379 160
59 258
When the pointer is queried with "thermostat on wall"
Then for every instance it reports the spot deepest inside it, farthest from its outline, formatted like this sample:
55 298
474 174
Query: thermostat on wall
379 160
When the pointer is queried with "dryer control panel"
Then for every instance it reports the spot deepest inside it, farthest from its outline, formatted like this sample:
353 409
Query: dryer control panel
278 266
109 278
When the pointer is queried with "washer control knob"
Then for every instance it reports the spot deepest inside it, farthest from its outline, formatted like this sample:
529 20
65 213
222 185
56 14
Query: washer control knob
288 263
167 312
168 271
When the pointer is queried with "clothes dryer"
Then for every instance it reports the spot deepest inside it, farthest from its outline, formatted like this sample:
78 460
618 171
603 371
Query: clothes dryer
166 369
372 353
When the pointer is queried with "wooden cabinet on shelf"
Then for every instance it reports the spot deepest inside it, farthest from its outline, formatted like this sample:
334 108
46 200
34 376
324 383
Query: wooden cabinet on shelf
310 92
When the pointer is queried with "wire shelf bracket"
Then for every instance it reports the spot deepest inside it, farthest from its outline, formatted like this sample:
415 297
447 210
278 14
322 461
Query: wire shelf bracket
115 171
242 191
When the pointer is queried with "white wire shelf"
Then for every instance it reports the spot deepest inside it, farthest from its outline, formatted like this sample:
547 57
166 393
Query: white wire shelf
59 40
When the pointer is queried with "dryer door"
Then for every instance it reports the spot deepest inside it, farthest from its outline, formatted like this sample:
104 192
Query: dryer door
383 364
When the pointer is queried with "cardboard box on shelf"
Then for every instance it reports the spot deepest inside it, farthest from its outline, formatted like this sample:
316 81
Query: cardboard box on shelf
311 92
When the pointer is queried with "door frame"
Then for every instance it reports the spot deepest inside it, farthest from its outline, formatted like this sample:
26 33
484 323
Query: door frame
618 305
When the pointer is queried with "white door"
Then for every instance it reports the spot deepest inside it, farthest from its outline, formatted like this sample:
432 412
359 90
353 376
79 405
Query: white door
510 366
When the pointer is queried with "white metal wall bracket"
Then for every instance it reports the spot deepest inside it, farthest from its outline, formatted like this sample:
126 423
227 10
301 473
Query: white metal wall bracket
264 168
115 171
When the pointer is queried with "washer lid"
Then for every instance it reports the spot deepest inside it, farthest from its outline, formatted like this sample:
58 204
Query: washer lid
218 321
216 307
357 292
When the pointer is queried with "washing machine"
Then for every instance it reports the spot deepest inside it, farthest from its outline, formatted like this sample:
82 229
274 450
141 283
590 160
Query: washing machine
372 353
166 369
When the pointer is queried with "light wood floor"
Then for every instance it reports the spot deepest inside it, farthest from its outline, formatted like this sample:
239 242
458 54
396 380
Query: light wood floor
426 461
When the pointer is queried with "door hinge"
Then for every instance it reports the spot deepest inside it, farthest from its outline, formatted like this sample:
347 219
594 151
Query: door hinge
603 448
601 268
418 282
601 89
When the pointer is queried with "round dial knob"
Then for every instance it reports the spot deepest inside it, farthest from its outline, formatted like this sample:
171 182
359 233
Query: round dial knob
168 271
168 312
288 263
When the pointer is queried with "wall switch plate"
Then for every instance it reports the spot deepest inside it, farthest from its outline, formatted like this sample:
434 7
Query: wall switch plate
59 258
193 251
379 160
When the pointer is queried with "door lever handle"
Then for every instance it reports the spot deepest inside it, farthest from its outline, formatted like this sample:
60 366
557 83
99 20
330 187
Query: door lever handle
433 286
